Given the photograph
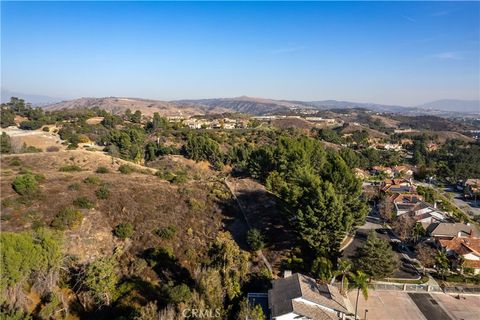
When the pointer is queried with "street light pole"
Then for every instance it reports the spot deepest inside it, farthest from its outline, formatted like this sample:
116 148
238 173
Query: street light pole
366 311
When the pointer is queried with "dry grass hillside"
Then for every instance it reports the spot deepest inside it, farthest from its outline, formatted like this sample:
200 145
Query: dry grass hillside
147 107
195 209
351 128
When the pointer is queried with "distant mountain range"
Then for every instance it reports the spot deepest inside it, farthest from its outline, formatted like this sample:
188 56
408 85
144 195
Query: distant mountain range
243 104
34 99
468 106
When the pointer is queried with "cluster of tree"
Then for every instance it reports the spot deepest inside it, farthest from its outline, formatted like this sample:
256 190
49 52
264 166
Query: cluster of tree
135 117
201 147
29 260
320 193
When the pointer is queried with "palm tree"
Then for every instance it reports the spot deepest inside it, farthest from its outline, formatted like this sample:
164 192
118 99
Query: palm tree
442 263
343 269
360 281
417 232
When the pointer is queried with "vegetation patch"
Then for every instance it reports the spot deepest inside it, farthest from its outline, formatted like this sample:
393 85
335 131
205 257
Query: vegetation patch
67 218
92 180
84 203
255 239
25 185
126 169
166 233
70 168
102 170
103 192
123 230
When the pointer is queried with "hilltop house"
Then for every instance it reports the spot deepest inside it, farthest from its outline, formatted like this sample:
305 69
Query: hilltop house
300 297
463 252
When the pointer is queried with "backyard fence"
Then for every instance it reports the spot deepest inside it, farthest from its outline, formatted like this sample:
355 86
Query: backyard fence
407 287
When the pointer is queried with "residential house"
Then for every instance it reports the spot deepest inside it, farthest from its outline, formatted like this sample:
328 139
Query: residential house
402 171
382 170
448 231
427 214
300 297
463 252
360 174
397 186
471 188
405 202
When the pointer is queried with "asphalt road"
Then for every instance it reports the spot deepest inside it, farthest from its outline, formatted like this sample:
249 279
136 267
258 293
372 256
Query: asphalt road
404 269
429 306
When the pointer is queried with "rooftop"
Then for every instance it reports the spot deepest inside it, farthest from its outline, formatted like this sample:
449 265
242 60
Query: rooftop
285 290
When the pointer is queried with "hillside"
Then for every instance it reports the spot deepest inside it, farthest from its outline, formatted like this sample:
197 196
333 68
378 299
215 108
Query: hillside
147 107
256 106
469 106
250 105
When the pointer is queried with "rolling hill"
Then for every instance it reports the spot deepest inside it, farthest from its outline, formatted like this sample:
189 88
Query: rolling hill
147 107
256 106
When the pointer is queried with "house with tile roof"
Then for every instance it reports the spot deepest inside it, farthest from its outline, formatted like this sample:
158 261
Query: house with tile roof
463 249
301 297
397 186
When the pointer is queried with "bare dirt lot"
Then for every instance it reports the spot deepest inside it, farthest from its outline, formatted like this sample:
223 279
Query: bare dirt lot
35 138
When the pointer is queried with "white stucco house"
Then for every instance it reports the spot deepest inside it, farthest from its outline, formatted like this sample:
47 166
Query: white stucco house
300 297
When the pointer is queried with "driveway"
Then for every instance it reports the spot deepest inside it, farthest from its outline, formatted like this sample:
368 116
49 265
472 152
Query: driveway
430 307
404 268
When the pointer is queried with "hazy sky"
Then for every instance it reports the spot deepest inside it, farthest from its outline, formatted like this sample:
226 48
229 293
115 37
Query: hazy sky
384 52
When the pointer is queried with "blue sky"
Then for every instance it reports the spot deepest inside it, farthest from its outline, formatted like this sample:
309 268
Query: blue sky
385 52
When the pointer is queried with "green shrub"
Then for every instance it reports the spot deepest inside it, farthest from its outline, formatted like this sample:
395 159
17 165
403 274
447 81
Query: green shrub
30 149
103 192
67 218
46 129
180 293
255 239
83 202
5 217
123 230
102 170
16 162
166 233
165 175
70 168
74 186
196 205
92 180
126 169
25 184
180 178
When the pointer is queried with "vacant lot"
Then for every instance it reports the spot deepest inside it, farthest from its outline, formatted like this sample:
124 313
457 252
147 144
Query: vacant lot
36 138
195 209
264 214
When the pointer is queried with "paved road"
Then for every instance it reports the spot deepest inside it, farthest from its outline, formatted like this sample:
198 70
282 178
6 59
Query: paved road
429 306
404 268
